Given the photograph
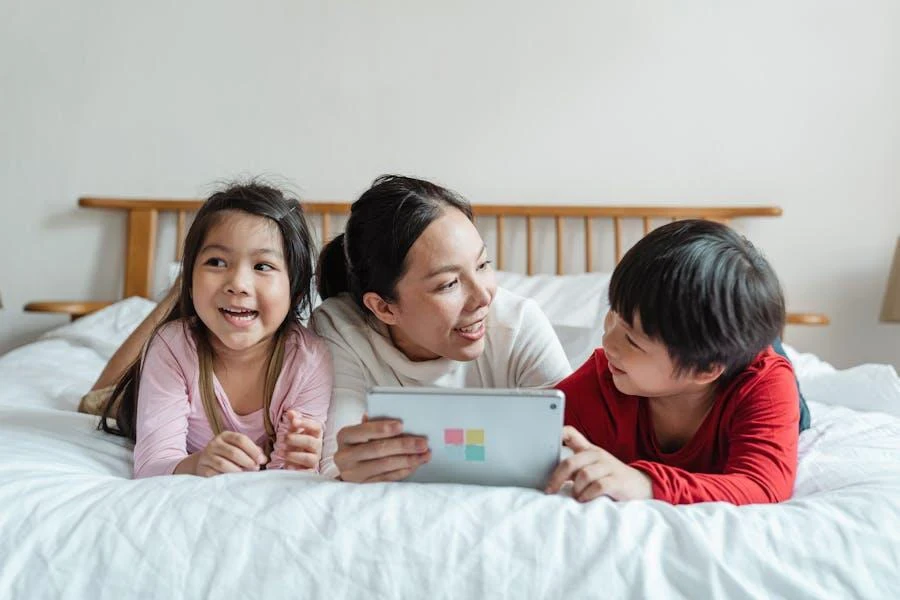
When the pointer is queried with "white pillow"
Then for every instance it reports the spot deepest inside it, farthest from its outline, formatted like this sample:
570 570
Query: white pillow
105 330
173 272
575 305
579 342
868 387
806 364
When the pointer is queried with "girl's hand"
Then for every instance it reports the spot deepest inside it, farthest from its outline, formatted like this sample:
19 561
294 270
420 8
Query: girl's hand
379 451
302 446
229 452
595 472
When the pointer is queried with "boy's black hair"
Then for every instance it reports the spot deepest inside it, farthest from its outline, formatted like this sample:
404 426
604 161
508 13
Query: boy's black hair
704 291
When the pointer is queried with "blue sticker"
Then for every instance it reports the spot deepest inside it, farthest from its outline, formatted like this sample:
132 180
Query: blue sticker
475 453
455 452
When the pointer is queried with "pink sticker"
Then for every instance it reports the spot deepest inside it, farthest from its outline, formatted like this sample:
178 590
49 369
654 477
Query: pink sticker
453 436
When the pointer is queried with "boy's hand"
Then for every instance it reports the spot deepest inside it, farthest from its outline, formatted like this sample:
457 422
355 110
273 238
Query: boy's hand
229 452
302 447
595 472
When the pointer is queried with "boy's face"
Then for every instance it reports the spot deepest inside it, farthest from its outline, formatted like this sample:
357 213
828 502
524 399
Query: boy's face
641 366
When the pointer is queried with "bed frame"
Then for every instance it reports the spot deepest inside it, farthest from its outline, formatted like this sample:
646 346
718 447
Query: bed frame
143 217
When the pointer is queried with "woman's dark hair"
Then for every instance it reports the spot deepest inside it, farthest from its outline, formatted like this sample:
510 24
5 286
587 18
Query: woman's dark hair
255 199
384 223
705 291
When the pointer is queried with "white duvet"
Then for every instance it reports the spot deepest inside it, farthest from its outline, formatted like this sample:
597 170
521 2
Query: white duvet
72 523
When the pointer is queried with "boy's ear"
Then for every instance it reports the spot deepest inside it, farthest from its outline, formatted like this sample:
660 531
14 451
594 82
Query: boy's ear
381 308
708 376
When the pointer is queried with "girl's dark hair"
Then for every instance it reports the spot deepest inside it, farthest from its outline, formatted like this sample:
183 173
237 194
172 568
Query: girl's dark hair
705 291
384 223
252 198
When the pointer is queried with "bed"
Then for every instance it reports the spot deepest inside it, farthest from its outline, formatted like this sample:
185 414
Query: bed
73 523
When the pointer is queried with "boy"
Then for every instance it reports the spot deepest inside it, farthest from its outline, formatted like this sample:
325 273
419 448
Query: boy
686 401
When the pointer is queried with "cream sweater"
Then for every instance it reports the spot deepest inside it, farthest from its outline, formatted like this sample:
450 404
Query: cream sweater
521 350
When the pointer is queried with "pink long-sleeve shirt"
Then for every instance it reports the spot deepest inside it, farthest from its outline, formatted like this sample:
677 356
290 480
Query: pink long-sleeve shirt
171 422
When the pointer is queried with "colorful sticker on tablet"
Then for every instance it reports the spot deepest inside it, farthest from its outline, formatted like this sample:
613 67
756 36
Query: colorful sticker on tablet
453 437
464 444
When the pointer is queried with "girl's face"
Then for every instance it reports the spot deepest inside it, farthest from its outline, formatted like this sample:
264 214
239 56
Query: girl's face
444 297
240 286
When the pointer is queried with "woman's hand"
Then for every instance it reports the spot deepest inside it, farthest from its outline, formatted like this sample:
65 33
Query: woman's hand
379 451
595 472
302 446
228 452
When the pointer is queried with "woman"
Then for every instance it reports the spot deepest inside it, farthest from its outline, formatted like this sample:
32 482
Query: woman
410 299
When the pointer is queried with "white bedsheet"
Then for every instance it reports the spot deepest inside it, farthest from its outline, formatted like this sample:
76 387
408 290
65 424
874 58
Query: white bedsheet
72 523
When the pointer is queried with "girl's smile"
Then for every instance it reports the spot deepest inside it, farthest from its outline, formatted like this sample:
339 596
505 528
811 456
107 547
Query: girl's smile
240 287
239 317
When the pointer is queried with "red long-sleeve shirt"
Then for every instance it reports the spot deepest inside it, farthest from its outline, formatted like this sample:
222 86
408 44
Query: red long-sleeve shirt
744 452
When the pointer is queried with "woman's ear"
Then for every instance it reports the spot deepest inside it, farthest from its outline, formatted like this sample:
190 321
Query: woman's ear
381 308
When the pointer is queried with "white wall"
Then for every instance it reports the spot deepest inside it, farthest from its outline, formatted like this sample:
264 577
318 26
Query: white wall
788 103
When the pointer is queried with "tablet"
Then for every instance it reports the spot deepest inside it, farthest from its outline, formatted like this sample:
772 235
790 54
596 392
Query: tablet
498 437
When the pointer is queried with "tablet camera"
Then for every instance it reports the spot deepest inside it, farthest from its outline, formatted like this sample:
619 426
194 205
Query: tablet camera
553 406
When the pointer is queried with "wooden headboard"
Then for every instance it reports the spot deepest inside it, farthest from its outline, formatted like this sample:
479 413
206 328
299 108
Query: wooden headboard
143 221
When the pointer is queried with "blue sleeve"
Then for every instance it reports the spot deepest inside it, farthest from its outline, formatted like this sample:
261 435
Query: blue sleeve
804 410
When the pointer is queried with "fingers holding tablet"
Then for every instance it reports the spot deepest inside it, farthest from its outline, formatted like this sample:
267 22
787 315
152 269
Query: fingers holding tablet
377 450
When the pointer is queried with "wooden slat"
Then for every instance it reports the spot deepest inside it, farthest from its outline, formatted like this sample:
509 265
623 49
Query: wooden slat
500 258
588 246
529 244
482 210
807 319
559 246
74 309
628 212
647 213
140 252
325 208
617 226
143 222
194 204
179 234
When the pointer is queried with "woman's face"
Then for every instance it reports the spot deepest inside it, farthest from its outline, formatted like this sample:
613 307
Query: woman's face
444 297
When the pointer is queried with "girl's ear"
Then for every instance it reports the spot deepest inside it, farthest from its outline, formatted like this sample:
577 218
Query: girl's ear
381 308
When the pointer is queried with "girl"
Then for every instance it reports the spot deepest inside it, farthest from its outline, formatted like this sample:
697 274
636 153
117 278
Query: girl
229 371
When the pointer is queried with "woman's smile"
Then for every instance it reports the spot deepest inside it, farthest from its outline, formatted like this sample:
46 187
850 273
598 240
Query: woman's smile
473 332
